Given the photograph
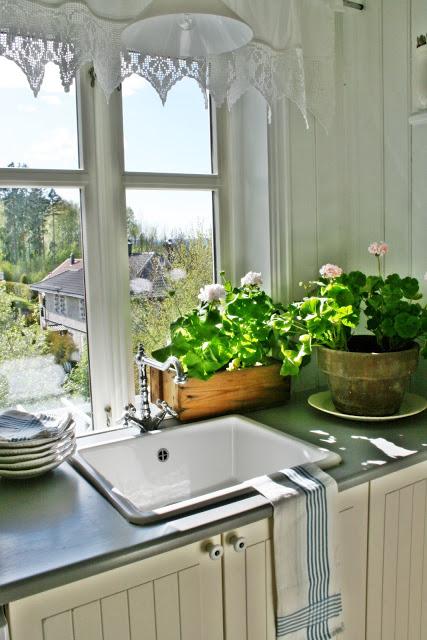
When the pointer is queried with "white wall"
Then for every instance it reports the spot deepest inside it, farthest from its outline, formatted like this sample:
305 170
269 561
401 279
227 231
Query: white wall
332 194
386 157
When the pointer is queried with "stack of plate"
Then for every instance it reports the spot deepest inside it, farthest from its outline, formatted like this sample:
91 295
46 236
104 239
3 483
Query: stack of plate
30 444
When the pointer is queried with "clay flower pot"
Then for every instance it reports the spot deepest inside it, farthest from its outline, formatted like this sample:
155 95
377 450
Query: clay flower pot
368 383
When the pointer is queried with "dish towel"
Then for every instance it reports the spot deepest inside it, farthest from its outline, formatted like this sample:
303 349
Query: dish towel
306 570
19 426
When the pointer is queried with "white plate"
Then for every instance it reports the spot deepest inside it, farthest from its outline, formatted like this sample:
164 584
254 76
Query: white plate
32 473
21 455
35 444
14 462
411 405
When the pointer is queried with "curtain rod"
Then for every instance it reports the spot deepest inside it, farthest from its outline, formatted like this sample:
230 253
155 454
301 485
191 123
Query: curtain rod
354 5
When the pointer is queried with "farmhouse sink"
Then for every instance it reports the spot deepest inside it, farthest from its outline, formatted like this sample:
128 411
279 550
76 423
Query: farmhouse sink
181 469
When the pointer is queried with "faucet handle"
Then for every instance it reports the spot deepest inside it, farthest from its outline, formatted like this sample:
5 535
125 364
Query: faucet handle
163 405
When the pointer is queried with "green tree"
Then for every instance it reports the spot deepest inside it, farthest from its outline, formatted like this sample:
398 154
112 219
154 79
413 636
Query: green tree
17 338
134 229
190 268
78 381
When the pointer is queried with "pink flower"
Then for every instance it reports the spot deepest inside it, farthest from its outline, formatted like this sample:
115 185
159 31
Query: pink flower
378 248
211 292
330 271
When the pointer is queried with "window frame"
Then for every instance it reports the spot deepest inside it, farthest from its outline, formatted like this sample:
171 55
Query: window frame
102 182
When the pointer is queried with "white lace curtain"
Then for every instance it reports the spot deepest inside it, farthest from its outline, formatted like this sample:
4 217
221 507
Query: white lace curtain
292 54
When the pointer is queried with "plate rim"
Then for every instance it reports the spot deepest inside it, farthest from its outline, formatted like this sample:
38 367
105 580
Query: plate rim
37 462
37 442
35 471
36 452
347 416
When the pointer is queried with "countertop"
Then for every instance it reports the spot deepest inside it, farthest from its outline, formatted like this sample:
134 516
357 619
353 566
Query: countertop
56 529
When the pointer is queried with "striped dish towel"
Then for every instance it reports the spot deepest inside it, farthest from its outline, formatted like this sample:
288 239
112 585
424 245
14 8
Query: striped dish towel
307 581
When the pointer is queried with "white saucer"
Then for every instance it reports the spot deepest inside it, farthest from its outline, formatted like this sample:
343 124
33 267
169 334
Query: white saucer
411 405
37 471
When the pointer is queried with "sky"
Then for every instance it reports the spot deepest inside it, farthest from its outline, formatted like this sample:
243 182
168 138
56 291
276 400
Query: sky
42 133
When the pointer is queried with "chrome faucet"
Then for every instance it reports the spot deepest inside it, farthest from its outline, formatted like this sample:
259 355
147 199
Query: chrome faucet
147 422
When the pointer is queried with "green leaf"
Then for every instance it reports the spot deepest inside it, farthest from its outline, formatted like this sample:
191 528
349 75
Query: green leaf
407 326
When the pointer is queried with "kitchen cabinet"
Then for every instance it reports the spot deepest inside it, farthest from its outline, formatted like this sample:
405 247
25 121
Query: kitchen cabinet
186 595
173 596
397 580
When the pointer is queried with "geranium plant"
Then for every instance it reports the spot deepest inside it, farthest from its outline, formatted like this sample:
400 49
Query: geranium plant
337 305
230 329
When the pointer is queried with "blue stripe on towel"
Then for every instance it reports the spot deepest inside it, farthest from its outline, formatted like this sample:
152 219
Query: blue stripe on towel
321 606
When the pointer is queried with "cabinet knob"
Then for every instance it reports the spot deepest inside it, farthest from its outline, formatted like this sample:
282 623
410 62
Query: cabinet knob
215 551
239 544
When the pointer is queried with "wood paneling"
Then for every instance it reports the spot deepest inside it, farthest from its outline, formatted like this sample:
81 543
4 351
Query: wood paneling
366 179
397 598
173 596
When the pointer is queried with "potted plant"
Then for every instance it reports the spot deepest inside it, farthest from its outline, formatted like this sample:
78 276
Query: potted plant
368 374
226 347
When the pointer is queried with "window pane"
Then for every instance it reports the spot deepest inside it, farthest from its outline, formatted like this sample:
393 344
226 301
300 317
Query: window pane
43 349
40 133
175 138
170 249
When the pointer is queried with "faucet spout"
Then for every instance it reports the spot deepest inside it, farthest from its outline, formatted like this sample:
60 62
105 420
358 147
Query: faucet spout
171 363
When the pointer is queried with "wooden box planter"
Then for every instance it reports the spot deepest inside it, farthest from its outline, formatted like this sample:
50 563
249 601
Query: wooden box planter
225 392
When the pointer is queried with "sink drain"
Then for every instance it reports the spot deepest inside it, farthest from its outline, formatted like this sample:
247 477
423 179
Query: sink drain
162 455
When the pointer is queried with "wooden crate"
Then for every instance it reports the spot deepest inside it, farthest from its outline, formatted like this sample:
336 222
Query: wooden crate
225 392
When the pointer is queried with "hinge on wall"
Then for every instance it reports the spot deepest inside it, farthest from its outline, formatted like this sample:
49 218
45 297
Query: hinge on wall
92 76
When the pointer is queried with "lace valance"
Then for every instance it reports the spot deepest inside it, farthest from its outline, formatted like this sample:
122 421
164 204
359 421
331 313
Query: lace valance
287 62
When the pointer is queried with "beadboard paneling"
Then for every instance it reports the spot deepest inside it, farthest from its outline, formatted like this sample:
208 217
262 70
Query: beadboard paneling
366 180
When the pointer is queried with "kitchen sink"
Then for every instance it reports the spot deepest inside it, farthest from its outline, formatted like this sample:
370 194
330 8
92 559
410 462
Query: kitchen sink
177 470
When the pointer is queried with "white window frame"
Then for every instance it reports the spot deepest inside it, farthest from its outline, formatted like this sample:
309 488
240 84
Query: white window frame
102 182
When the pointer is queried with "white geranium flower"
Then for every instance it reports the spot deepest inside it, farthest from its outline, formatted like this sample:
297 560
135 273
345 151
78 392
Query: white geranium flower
251 278
211 292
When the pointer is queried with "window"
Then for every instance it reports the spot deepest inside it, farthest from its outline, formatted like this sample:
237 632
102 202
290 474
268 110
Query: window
62 234
43 347
174 138
170 258
40 133
170 230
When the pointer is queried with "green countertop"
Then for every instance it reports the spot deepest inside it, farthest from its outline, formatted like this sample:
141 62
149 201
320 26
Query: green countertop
56 529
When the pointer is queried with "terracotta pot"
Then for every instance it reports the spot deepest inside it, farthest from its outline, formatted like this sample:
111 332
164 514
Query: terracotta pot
367 383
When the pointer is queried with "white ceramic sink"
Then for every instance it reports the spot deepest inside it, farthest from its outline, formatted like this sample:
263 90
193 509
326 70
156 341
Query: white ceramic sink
183 468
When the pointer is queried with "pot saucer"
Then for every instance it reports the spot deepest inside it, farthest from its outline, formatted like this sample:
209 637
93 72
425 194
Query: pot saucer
411 405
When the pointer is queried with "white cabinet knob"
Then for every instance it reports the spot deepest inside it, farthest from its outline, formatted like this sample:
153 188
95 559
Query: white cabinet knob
239 544
215 551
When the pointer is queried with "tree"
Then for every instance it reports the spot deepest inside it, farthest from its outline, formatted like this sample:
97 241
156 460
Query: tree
17 339
134 229
191 263
78 381
38 230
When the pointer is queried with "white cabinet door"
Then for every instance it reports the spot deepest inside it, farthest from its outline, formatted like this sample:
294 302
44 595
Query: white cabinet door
248 575
173 596
248 583
353 542
397 580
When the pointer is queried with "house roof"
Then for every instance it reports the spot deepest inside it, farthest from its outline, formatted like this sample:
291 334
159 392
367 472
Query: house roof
68 282
147 266
67 265
138 263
